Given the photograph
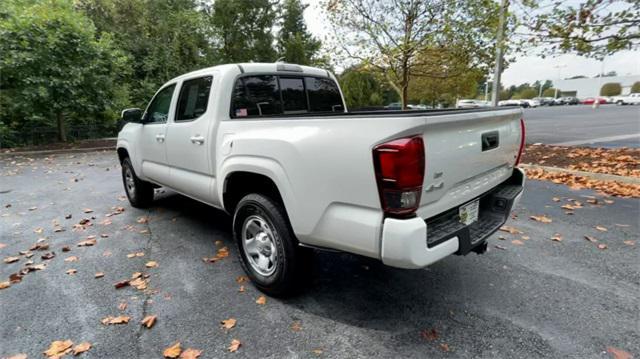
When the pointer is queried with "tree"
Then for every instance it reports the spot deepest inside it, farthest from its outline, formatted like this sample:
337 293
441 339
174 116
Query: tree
550 92
527 93
53 67
295 43
390 35
242 30
635 88
611 89
361 88
592 28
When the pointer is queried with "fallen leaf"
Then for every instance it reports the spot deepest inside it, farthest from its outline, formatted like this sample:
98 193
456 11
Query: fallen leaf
619 353
59 348
557 238
48 256
17 356
542 219
2 245
121 284
317 351
137 254
87 243
444 347
517 242
241 279
99 275
38 230
87 210
629 242
526 238
173 351
122 306
228 323
429 334
4 285
190 353
66 249
121 319
601 228
500 247
151 264
556 199
235 344
33 208
510 229
149 321
590 239
11 259
262 300
296 326
71 259
602 246
71 271
139 283
81 348
142 219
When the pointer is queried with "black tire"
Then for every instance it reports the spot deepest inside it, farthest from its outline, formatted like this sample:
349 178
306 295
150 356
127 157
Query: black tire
290 263
139 192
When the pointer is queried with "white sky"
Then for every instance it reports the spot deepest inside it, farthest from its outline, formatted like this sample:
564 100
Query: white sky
525 68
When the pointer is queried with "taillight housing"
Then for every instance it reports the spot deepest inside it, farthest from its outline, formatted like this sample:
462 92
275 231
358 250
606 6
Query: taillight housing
399 165
522 138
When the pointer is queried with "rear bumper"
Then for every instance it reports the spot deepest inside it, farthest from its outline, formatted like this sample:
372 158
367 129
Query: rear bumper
417 243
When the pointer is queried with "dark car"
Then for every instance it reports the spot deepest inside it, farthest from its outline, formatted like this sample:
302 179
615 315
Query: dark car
571 101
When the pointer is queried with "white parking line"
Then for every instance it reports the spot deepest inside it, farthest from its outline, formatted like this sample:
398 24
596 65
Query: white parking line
596 140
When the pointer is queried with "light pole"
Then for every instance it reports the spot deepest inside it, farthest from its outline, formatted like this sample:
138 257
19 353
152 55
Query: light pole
558 67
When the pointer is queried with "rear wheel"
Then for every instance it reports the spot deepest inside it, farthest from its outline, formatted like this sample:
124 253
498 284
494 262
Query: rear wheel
139 192
268 249
619 103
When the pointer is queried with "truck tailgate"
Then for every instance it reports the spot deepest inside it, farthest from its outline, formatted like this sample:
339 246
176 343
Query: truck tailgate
467 155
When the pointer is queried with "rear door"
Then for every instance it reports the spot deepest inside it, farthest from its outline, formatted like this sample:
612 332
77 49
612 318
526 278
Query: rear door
189 146
153 154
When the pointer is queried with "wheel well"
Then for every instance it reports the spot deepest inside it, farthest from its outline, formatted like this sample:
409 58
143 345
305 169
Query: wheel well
122 154
240 184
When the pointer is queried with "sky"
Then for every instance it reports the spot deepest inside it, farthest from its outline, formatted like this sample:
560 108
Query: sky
525 68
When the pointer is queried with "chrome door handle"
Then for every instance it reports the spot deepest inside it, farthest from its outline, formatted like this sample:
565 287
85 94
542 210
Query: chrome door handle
197 139
160 137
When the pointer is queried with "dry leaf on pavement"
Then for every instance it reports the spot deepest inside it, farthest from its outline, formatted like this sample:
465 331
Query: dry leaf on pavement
149 321
557 238
296 326
601 228
17 356
190 353
121 319
510 229
151 264
59 348
228 323
517 242
242 279
71 259
81 348
602 246
173 351
629 242
590 239
429 334
262 300
99 275
71 271
4 285
121 284
542 219
619 353
444 347
235 344
87 243
11 259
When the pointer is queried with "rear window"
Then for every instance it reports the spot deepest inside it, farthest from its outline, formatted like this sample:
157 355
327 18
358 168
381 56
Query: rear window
273 95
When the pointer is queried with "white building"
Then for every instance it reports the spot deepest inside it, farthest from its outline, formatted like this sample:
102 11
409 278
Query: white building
590 87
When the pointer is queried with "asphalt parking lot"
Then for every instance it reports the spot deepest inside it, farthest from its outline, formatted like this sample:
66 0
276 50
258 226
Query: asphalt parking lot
528 297
607 126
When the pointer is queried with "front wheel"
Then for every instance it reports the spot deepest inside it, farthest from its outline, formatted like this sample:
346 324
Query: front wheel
268 249
139 192
619 103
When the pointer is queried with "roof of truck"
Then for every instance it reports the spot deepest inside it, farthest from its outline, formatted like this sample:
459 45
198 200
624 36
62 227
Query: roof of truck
259 67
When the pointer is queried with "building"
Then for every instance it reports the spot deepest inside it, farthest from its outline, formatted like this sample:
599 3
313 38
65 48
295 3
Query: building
590 87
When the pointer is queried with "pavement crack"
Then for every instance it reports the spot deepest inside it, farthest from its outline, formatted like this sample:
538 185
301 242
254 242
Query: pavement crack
147 292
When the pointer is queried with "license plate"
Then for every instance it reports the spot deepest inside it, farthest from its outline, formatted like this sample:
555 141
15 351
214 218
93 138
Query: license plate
469 212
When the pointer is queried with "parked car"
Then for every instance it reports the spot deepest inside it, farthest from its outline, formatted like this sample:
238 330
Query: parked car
275 147
419 107
630 99
570 100
394 106
544 101
531 102
469 103
592 100
512 102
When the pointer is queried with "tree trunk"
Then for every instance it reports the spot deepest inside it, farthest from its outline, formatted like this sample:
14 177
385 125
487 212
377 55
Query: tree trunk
405 96
62 132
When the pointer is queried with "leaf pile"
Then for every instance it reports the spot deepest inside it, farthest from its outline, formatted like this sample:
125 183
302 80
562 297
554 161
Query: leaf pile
613 188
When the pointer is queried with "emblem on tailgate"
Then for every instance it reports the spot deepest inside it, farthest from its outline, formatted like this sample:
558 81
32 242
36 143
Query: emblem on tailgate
436 185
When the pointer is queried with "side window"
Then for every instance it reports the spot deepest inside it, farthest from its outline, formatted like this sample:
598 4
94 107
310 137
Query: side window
194 98
158 110
256 96
324 95
293 96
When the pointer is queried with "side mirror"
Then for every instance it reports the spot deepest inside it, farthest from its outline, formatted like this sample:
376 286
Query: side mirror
132 115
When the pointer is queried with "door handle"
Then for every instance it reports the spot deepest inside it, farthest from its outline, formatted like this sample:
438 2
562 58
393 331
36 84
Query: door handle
160 137
197 139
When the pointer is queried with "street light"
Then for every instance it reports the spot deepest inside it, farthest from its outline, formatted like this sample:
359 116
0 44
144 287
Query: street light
558 67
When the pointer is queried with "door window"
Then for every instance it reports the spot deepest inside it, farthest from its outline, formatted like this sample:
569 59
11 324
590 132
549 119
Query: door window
194 98
158 110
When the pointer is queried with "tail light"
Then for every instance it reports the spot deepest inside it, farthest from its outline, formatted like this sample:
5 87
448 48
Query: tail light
399 166
522 137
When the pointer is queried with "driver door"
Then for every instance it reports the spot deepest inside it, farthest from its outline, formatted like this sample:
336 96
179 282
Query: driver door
153 154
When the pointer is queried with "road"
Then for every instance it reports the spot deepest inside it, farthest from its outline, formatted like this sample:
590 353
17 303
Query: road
527 299
608 126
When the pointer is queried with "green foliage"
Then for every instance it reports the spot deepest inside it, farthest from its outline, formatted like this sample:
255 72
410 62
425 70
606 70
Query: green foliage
361 88
611 89
295 43
635 87
242 30
54 70
550 92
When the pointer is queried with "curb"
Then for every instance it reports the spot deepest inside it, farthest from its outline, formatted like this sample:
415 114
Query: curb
60 151
596 176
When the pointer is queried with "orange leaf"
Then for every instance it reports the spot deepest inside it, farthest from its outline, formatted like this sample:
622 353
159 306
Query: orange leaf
228 323
58 348
429 334
4 285
556 238
151 264
235 344
262 300
149 321
81 348
543 219
295 326
173 351
619 353
190 353
121 319
517 242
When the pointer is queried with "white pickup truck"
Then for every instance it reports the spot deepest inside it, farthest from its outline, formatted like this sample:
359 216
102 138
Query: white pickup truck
274 146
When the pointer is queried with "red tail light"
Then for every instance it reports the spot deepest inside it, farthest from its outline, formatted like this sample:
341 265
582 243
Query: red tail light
399 166
522 138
